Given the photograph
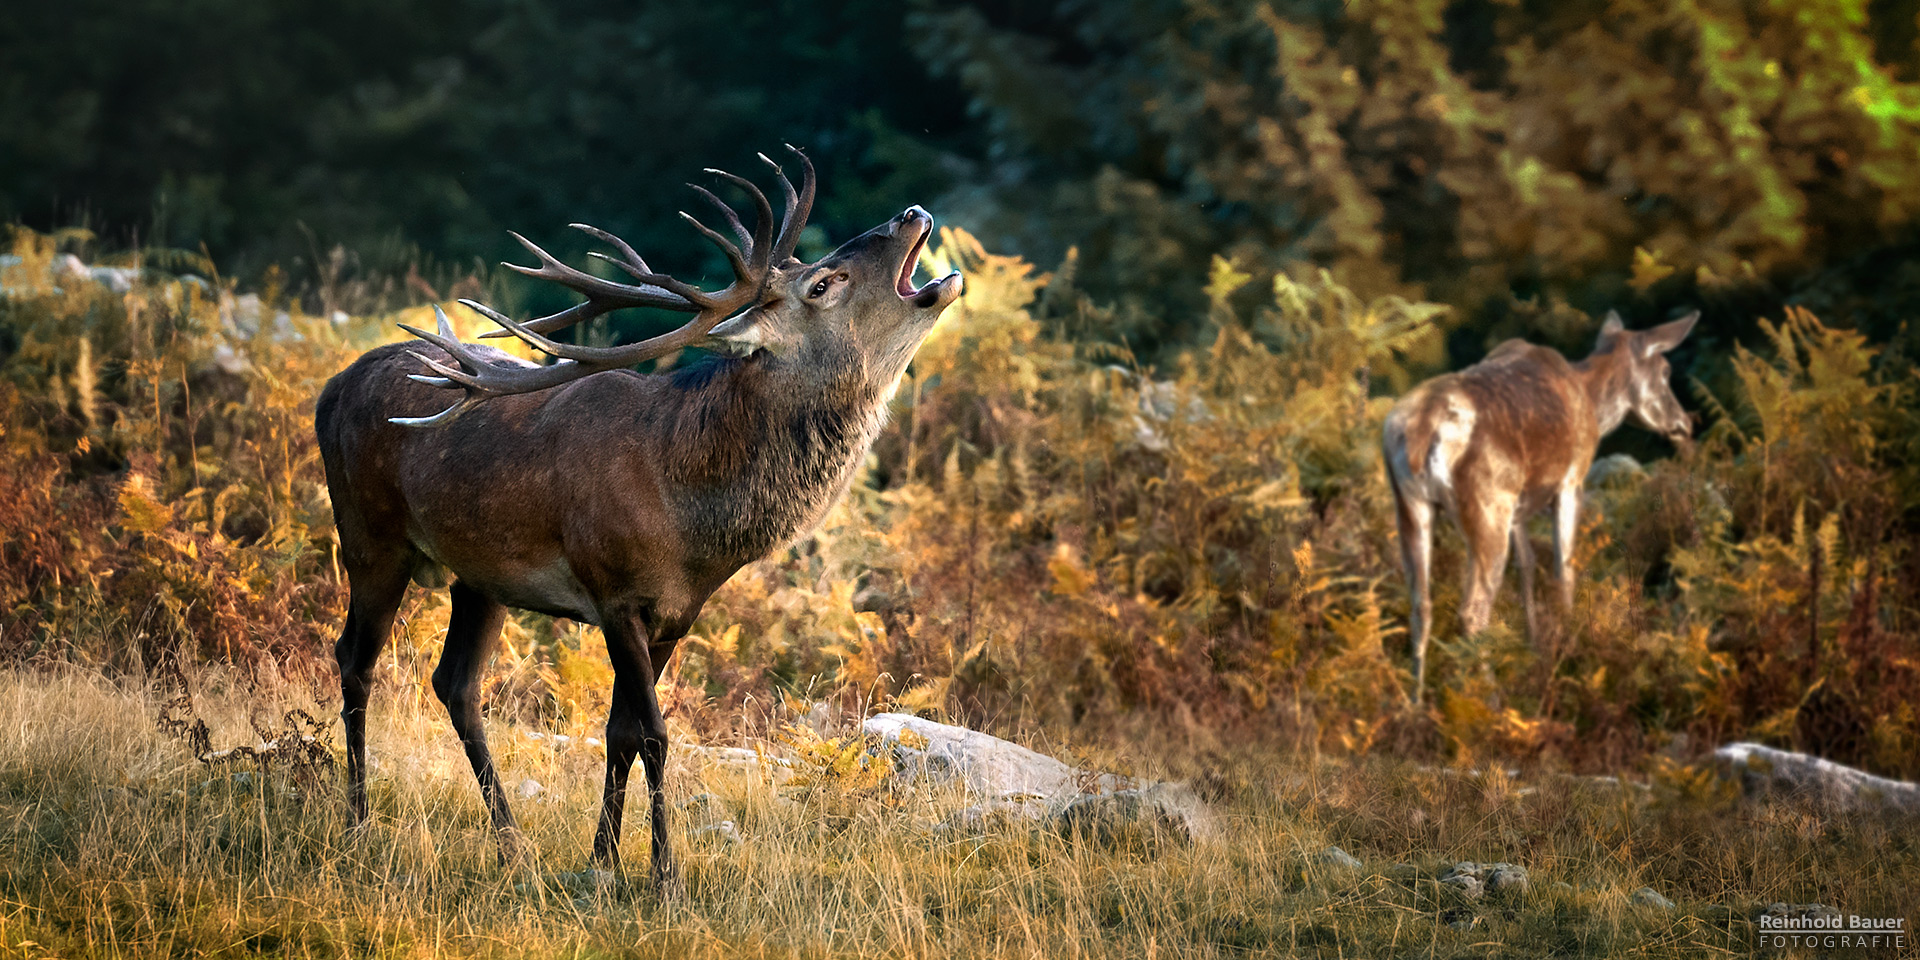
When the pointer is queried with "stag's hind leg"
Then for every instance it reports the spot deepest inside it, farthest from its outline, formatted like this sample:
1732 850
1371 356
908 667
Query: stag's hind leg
473 627
375 591
635 728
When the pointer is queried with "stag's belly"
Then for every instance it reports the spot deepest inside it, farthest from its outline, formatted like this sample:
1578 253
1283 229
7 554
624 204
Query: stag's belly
544 586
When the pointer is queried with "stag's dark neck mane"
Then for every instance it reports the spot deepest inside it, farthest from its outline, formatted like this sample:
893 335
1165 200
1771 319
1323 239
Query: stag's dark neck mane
762 452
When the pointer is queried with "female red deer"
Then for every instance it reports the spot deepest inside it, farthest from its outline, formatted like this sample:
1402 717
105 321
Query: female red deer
1499 441
586 490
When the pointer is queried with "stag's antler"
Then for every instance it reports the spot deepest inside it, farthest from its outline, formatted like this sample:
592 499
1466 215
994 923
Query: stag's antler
751 269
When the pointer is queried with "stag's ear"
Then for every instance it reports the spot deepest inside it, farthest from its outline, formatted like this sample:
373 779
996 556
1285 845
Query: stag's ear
1667 335
748 332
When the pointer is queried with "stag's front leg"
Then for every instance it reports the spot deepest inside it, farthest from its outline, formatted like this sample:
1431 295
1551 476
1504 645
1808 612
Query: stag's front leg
635 727
376 592
472 630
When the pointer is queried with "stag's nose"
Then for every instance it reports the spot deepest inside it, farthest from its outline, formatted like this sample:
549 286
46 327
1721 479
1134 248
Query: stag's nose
914 214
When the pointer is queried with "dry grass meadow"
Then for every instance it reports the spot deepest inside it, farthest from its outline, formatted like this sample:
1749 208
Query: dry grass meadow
119 843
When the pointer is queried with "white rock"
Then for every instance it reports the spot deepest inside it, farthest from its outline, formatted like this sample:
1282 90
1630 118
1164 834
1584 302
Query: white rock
1614 466
1649 897
1762 770
1336 857
985 765
530 788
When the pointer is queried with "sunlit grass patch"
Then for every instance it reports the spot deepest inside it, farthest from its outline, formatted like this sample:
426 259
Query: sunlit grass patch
117 842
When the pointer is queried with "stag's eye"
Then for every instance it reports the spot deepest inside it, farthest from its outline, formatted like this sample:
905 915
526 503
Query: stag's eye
826 283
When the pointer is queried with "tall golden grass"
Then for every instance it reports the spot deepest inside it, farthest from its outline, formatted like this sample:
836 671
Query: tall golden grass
120 843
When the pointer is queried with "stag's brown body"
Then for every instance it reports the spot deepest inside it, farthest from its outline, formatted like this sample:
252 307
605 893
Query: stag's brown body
1505 439
620 487
587 490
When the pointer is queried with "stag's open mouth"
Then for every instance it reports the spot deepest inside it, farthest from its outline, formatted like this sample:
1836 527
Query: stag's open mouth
904 285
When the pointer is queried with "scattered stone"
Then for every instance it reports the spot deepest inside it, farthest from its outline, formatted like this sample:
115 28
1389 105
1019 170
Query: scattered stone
530 788
1561 886
1617 466
1649 897
586 881
1000 813
699 801
1764 770
733 761
1797 911
722 832
1336 857
1169 807
1507 878
1465 884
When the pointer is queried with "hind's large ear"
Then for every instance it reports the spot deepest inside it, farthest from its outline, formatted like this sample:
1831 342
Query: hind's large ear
1667 335
1610 329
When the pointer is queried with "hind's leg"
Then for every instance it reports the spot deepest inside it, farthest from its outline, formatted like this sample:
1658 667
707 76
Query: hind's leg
472 631
375 594
1415 519
1487 524
1523 558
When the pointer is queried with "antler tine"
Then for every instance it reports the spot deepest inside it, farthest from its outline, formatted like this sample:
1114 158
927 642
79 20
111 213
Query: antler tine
482 378
733 219
735 258
799 204
677 295
762 217
602 296
631 260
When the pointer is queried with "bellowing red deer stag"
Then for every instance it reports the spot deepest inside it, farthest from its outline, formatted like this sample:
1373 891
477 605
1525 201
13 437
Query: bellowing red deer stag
586 490
1500 441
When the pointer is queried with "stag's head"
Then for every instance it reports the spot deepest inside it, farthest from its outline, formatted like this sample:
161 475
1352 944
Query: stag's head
855 312
858 303
1649 393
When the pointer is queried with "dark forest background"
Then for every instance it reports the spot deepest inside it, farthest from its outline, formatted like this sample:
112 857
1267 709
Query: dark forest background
1529 163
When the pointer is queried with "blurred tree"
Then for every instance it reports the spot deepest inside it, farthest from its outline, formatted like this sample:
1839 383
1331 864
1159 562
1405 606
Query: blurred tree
1462 150
432 127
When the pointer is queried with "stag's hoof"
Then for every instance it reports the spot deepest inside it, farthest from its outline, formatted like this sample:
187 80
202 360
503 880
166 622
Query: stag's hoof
516 851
